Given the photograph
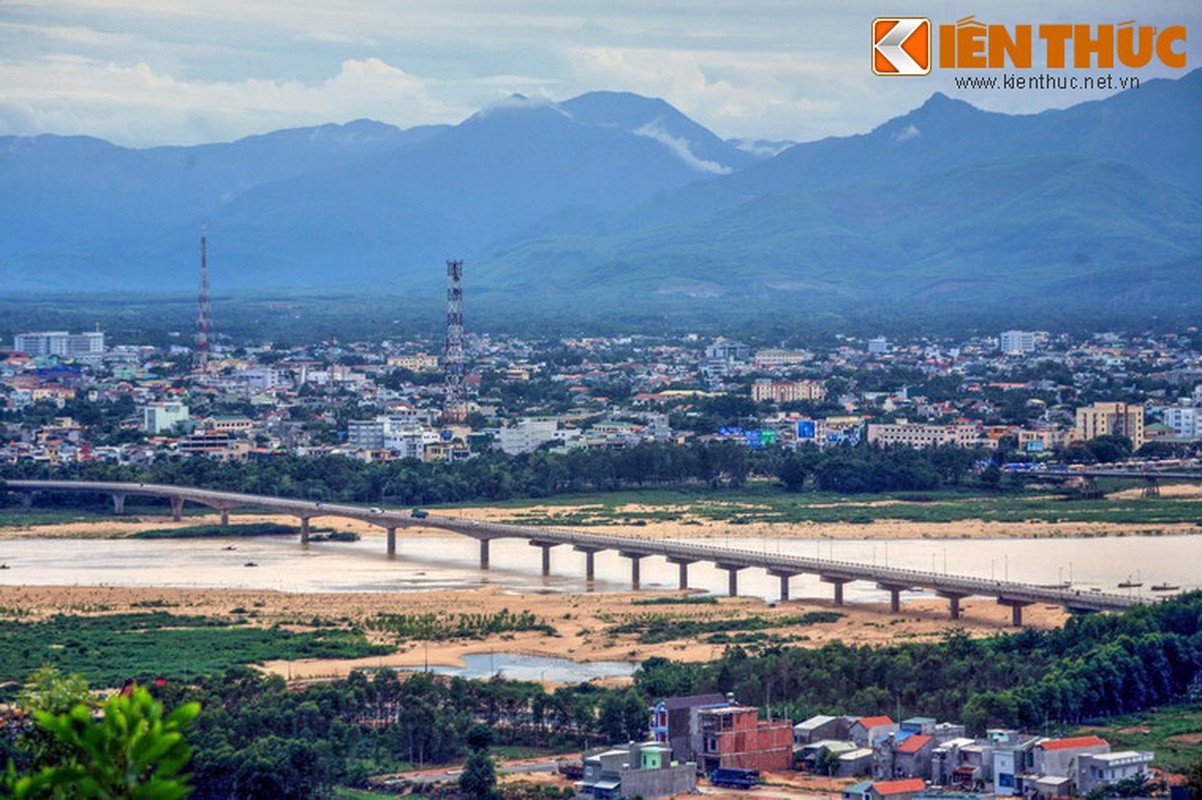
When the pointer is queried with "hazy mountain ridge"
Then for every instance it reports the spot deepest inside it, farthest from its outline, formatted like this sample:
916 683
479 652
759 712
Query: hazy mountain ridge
611 195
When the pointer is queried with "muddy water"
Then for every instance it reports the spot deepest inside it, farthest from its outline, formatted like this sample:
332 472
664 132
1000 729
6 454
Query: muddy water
430 563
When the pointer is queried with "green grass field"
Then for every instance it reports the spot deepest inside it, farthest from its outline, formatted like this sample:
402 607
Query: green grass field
107 649
1173 733
768 503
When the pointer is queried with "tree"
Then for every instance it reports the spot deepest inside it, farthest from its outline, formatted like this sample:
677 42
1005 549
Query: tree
1109 448
131 750
479 777
1193 780
792 473
623 717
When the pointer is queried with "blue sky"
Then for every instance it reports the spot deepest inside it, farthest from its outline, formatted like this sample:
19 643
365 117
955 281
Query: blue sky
149 72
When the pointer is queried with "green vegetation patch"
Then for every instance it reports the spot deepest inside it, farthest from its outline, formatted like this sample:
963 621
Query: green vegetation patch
657 628
1174 733
28 518
208 531
765 503
441 626
693 599
110 648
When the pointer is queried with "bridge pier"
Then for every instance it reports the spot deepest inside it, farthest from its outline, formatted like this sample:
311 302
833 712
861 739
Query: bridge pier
118 503
590 554
225 516
1151 487
634 566
177 508
732 580
1016 609
304 521
484 553
1089 489
391 534
682 565
894 591
546 548
953 601
838 584
784 582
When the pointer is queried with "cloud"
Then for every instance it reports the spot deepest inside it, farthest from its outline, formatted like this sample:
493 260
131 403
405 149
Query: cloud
680 148
72 95
906 134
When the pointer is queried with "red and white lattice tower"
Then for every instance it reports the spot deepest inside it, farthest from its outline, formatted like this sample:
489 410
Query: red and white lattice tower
454 408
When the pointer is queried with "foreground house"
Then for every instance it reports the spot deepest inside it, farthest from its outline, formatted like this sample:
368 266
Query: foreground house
636 770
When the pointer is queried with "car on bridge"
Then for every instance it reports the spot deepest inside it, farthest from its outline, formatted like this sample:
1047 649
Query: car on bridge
417 513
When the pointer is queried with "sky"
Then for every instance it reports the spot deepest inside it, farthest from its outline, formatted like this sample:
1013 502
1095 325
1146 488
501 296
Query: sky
142 73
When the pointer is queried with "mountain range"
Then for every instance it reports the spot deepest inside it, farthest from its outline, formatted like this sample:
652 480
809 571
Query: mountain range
612 199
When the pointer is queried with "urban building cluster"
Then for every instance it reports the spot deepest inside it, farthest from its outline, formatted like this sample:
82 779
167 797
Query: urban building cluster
73 396
714 736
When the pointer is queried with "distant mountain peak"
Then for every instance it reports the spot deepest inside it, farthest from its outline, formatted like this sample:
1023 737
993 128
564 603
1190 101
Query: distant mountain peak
520 103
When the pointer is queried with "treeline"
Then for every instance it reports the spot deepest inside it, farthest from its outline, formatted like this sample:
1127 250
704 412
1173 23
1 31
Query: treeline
495 476
255 738
1096 665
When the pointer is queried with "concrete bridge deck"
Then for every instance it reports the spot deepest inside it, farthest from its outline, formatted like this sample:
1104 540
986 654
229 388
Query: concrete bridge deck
1013 594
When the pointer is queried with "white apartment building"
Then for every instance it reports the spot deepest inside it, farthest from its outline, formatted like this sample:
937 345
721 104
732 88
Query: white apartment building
162 417
403 434
1183 420
60 343
1016 342
916 435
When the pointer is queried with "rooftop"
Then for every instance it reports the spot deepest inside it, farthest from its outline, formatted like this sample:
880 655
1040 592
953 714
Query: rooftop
1073 742
904 786
914 743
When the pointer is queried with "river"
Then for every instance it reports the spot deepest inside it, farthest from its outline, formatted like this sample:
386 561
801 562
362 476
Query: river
428 563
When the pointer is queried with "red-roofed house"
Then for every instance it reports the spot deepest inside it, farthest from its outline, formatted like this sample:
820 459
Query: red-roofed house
1058 757
1049 745
903 755
865 729
897 790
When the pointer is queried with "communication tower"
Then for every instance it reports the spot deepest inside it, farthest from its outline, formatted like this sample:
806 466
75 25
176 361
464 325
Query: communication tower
454 407
204 319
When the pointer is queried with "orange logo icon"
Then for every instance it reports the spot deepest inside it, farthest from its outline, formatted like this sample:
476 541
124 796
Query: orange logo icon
901 46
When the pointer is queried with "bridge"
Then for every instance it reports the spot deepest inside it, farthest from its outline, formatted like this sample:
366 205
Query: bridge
1089 477
954 588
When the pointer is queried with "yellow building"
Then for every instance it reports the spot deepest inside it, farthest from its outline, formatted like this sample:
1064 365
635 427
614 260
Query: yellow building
1110 419
787 391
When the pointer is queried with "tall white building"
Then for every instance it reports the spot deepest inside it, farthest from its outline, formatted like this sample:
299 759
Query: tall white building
1183 421
162 417
1016 342
403 434
527 435
60 343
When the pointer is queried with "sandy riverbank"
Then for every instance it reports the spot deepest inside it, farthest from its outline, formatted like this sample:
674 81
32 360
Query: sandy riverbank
582 621
683 529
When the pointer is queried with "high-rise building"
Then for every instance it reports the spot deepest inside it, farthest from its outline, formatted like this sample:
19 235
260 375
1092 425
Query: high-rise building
60 343
1110 419
1016 342
1183 420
